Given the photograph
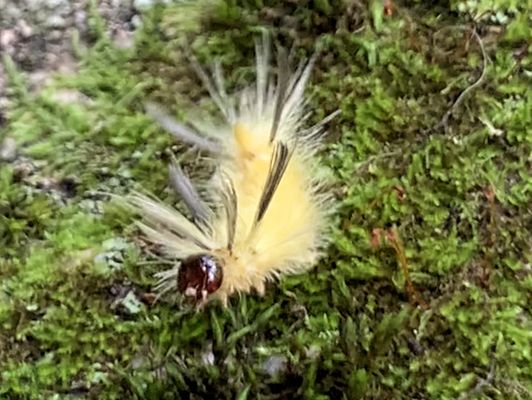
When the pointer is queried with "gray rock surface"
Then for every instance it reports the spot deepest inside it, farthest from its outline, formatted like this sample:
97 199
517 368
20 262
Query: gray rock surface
37 36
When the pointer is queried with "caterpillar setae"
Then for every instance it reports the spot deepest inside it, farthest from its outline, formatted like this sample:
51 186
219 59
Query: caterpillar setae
270 207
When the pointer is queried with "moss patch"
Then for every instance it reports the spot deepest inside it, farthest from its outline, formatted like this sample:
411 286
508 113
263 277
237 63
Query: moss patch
75 315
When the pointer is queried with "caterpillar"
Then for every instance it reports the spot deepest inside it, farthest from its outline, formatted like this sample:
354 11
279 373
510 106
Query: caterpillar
269 211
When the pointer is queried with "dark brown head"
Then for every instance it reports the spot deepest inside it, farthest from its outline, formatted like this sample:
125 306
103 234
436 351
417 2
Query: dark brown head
199 276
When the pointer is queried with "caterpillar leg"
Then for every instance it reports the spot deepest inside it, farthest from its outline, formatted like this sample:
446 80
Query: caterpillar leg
260 287
223 299
201 303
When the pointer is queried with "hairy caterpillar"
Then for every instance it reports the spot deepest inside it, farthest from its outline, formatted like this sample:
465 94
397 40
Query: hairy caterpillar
272 207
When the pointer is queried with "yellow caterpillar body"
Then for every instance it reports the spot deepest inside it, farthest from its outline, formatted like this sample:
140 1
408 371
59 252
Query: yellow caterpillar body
270 212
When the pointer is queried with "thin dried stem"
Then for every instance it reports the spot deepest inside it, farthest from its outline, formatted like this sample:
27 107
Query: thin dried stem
445 119
395 241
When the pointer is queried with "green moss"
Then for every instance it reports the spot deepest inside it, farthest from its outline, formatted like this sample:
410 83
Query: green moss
23 215
73 279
